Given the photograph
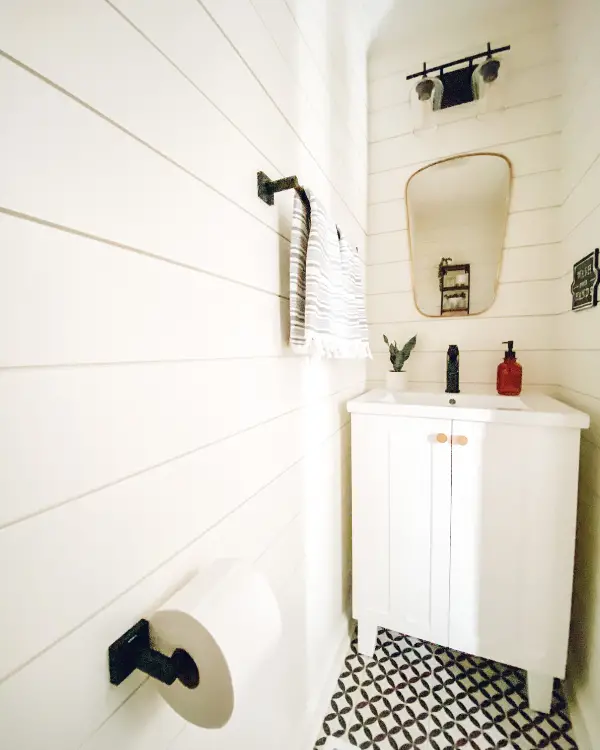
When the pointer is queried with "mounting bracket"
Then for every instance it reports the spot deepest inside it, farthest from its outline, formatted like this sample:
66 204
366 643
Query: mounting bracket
132 651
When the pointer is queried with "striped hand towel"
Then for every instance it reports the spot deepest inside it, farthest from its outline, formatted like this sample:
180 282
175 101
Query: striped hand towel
327 302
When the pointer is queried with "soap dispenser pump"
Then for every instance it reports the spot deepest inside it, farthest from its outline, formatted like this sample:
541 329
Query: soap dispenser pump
510 373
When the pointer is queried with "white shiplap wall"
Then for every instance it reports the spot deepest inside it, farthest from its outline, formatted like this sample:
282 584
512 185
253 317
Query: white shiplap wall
527 131
579 334
151 415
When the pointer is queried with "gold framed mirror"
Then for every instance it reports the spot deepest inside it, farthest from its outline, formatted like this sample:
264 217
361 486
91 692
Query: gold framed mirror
457 212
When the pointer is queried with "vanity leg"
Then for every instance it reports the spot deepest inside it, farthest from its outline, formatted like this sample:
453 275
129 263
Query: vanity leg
539 691
367 637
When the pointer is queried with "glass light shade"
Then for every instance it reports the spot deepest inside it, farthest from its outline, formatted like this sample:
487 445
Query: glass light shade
487 88
425 98
438 93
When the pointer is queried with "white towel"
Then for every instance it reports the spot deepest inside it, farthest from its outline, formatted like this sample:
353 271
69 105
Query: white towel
327 301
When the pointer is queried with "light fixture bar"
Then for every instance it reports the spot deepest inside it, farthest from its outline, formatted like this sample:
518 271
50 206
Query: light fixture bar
488 53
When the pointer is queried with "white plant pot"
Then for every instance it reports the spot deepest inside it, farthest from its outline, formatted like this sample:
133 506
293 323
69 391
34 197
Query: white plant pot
397 381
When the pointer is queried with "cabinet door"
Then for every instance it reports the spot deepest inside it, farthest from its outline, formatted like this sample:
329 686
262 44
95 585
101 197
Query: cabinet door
468 554
419 523
513 519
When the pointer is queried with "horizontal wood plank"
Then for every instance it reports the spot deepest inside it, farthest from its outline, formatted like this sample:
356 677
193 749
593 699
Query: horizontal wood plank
179 407
476 334
512 300
70 301
504 127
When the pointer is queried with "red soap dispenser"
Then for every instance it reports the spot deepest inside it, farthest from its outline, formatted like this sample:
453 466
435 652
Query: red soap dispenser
510 373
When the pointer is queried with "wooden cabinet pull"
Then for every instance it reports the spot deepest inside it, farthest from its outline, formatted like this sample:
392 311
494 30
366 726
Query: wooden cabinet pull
459 440
441 438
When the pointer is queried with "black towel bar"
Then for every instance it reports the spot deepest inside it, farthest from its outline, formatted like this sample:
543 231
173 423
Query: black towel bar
267 188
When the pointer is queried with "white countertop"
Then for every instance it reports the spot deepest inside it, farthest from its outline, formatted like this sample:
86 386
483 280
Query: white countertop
529 408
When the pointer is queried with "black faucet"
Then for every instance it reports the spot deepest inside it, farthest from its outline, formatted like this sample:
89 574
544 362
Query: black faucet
452 385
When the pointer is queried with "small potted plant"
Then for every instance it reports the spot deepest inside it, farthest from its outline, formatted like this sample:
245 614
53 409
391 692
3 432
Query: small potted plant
397 379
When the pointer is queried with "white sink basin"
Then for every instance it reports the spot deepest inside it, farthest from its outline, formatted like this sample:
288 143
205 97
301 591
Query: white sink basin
459 400
528 408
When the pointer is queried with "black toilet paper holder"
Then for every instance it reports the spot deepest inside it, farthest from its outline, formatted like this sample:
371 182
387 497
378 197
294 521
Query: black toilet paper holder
133 651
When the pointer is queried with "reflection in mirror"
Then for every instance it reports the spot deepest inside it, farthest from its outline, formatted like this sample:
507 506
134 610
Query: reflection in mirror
457 212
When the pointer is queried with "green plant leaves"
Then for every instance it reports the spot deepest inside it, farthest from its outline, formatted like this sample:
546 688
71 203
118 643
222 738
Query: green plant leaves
399 356
408 347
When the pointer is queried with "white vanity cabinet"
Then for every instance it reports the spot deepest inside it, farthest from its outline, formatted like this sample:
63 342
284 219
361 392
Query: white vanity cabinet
463 523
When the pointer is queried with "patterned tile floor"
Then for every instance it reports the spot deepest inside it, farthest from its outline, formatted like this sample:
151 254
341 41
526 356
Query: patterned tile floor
415 694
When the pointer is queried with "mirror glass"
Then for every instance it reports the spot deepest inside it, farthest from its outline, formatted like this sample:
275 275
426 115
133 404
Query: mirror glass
457 212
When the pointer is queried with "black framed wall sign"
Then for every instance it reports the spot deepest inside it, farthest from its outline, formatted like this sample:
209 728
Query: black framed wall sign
586 279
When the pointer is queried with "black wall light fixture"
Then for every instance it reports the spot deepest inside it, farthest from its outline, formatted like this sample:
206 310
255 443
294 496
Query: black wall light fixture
457 84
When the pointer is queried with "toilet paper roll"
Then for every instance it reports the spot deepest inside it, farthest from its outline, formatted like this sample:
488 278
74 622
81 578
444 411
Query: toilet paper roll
228 621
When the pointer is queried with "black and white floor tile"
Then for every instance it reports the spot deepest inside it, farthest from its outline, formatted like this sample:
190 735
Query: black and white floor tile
415 694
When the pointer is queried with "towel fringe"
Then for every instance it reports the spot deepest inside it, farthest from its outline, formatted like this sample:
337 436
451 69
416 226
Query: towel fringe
325 345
